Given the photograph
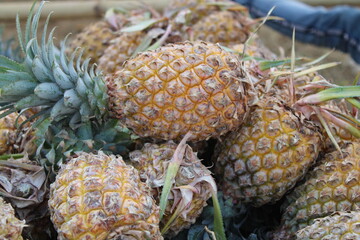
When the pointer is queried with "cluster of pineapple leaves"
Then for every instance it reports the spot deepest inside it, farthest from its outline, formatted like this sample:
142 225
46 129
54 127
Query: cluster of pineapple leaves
57 142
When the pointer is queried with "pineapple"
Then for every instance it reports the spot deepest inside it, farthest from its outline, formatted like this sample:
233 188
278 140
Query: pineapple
164 94
96 196
190 191
338 226
119 50
10 226
224 27
275 147
267 155
331 186
215 21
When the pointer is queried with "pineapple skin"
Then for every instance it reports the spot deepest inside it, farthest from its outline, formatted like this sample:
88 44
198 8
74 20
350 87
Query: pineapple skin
332 186
338 226
164 94
100 197
119 50
94 38
153 160
224 27
10 227
267 155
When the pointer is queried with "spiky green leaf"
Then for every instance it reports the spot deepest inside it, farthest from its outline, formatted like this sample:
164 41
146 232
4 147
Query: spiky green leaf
10 64
140 26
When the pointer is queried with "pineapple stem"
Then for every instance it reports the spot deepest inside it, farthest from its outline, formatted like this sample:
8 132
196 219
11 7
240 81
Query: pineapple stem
349 117
163 38
218 219
256 20
341 123
211 233
293 60
180 207
330 94
25 166
357 79
316 68
15 156
300 72
171 172
142 25
319 59
170 175
354 102
170 221
257 29
327 129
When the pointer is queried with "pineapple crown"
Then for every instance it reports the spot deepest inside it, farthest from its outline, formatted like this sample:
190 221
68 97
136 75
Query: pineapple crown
66 90
57 143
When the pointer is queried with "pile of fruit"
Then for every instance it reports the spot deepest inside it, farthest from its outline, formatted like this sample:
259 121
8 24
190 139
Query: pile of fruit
173 125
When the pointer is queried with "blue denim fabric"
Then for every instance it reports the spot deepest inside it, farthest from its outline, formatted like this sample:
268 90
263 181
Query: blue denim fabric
337 27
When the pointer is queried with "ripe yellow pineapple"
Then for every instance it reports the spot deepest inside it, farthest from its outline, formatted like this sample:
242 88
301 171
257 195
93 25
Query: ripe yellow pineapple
10 227
332 186
338 226
224 27
119 50
164 94
268 154
96 196
191 188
